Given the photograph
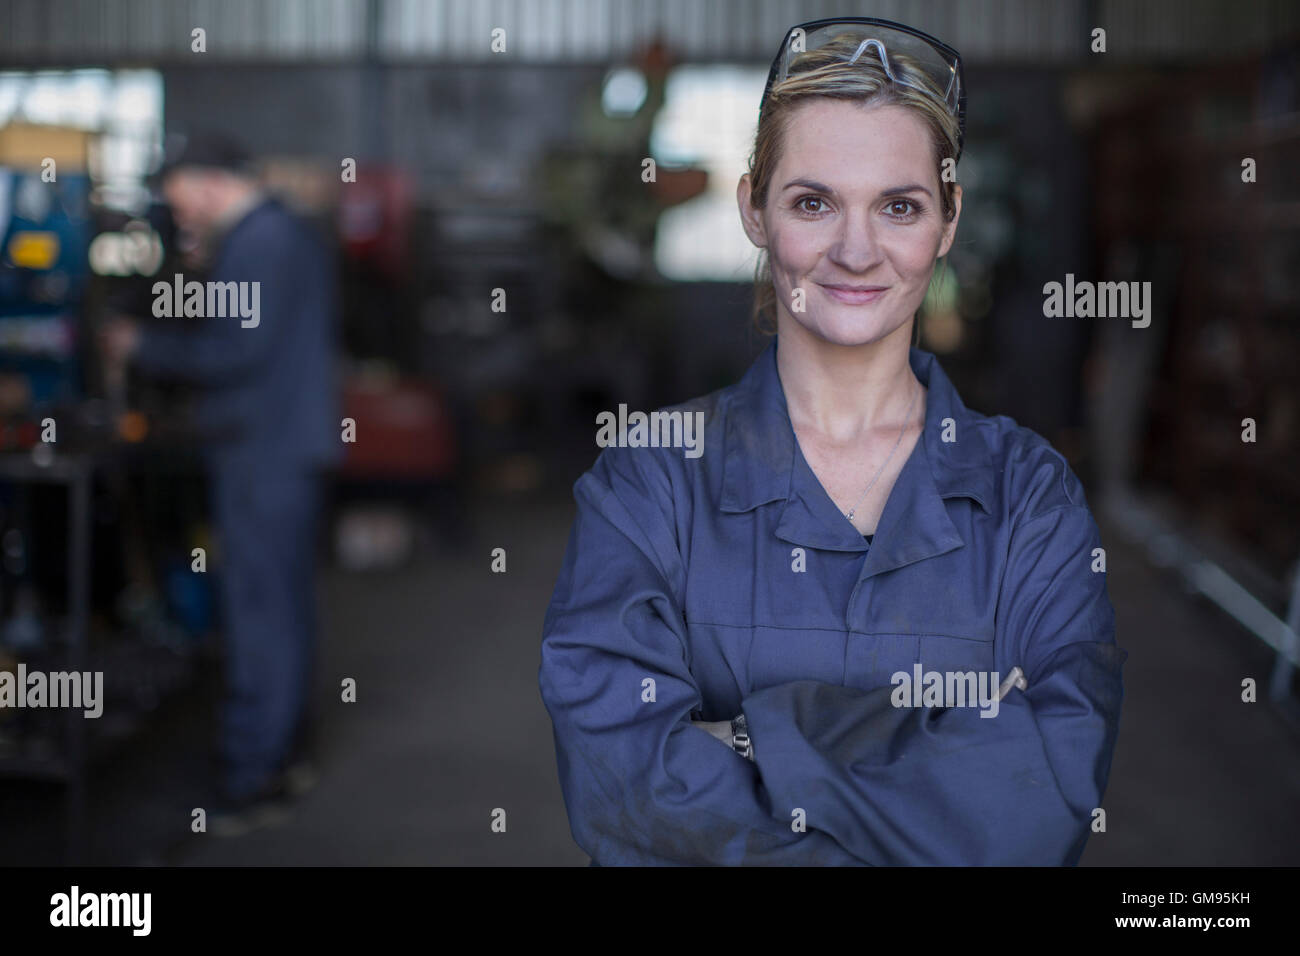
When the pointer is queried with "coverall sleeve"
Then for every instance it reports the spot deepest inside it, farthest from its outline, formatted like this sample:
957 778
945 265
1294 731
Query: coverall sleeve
641 784
917 785
216 350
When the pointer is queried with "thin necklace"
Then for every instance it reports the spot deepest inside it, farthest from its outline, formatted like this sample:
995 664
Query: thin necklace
907 420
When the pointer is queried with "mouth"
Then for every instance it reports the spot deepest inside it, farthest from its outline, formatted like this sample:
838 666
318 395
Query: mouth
854 294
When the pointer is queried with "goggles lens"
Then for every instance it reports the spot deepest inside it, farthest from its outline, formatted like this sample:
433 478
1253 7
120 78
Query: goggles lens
902 51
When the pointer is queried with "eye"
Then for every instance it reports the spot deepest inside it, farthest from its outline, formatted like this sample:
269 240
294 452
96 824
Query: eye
903 209
818 204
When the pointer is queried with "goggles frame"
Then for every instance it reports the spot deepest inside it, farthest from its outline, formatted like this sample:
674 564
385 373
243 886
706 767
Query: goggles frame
879 46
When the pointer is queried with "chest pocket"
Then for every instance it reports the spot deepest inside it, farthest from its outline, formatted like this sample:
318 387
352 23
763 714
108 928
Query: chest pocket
871 660
937 613
861 661
779 655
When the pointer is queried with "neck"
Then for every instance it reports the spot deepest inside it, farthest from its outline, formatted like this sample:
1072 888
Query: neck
845 392
238 205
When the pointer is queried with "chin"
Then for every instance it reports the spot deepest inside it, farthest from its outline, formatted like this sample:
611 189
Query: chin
850 328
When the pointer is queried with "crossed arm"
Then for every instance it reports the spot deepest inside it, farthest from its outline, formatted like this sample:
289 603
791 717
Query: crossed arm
839 776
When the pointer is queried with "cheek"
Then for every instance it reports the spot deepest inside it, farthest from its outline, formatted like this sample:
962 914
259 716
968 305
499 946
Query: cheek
914 256
793 252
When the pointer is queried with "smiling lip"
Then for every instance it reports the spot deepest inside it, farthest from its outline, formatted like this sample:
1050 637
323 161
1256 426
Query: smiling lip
855 294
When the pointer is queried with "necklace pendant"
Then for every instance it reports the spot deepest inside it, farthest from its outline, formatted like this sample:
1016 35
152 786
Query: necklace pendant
850 515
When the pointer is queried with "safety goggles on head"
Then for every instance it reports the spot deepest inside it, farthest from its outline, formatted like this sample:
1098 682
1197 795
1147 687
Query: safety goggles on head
881 40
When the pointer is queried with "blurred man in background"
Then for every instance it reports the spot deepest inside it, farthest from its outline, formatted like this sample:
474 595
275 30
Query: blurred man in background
267 380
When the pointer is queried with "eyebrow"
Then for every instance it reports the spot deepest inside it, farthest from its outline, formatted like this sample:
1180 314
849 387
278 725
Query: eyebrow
823 188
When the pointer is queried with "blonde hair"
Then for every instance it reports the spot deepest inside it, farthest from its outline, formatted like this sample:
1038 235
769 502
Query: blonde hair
827 73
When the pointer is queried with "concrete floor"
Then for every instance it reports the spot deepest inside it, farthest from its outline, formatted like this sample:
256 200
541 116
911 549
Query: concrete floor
448 726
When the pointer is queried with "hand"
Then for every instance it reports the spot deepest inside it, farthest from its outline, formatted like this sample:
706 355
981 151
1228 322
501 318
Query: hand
118 340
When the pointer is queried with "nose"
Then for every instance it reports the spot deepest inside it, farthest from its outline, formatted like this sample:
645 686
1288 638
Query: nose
856 247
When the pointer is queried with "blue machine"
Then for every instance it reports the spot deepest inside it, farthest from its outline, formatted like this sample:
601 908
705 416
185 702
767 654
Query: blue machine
44 234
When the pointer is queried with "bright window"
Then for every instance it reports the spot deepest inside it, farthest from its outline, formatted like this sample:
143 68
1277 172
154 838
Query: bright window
708 120
124 106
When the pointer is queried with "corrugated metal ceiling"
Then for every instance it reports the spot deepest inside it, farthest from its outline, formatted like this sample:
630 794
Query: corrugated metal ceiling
71 32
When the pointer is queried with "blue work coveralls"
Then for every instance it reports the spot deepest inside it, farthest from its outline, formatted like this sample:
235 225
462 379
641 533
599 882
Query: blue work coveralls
681 595
271 389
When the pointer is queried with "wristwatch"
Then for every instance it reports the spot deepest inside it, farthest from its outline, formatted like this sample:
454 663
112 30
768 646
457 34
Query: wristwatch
740 738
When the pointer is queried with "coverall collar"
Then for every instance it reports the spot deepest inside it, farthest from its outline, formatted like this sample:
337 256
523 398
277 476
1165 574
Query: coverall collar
237 213
763 463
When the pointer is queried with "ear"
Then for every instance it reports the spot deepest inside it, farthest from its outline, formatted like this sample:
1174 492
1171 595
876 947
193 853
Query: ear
750 217
950 229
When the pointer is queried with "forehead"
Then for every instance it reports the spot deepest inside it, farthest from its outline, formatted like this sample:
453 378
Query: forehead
184 177
842 143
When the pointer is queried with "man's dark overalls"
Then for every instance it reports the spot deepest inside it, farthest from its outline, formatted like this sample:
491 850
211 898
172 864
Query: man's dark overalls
274 385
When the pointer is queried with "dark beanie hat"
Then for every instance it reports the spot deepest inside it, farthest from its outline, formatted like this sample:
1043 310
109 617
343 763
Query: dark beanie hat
210 149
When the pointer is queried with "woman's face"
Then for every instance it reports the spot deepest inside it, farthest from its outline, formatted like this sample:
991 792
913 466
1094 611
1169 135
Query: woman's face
853 218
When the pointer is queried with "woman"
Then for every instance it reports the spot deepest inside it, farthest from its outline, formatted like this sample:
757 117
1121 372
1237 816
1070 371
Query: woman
732 653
